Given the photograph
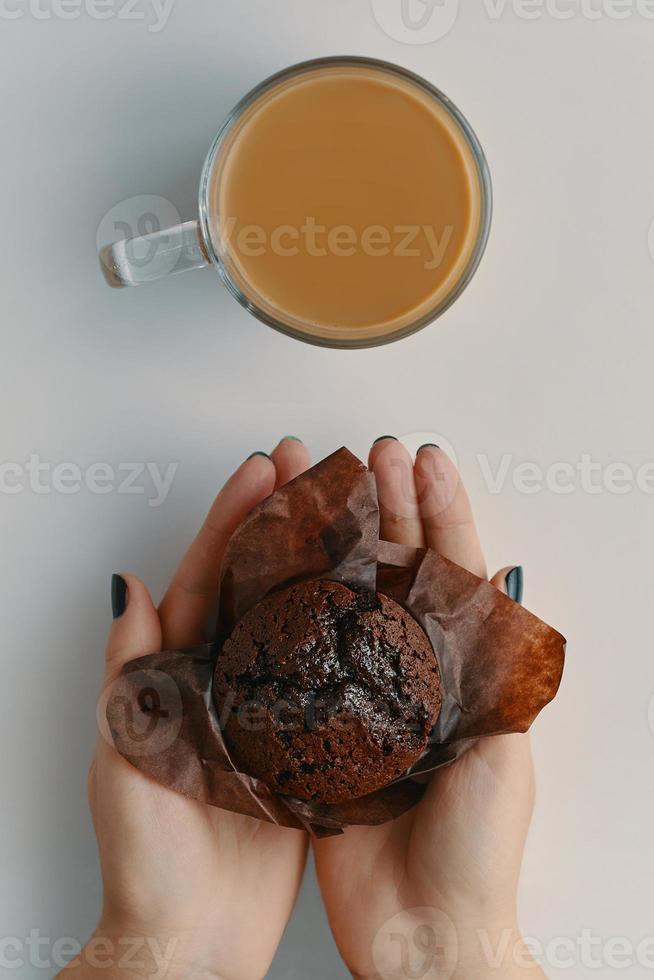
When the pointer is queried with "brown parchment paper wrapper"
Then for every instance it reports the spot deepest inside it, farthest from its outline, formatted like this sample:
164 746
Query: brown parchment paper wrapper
500 665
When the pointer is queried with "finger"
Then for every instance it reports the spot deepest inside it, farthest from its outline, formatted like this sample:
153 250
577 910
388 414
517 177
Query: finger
446 512
510 580
291 457
136 630
193 592
399 514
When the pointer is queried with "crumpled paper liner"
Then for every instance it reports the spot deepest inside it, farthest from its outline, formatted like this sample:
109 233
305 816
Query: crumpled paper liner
500 665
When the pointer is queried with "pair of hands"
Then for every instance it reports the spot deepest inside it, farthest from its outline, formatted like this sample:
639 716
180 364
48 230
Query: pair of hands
205 893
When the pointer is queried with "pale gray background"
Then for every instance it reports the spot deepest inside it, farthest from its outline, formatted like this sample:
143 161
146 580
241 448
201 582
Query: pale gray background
547 357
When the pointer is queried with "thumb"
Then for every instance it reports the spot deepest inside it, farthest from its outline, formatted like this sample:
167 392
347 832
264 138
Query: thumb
136 629
510 580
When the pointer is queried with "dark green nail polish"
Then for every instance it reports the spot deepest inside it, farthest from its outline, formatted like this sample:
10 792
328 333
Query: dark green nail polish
258 453
427 445
379 439
292 438
515 584
119 595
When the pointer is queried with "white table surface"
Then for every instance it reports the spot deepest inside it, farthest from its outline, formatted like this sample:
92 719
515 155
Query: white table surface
546 358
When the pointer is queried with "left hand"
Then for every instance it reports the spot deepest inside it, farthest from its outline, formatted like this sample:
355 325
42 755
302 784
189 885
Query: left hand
208 889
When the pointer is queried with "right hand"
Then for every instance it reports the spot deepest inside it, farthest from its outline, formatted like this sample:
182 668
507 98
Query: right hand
410 898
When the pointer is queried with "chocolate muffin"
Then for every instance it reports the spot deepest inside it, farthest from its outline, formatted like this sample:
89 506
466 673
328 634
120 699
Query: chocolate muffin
326 693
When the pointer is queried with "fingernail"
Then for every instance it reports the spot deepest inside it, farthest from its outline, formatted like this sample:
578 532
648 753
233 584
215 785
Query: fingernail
427 445
119 595
380 438
258 453
292 438
515 583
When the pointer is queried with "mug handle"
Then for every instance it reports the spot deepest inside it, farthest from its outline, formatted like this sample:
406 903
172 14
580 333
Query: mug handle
146 258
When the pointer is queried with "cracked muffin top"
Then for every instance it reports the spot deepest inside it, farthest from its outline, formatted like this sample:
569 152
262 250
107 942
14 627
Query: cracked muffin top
326 693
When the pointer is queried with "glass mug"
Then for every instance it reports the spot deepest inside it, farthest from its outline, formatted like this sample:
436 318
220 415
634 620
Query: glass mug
345 202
